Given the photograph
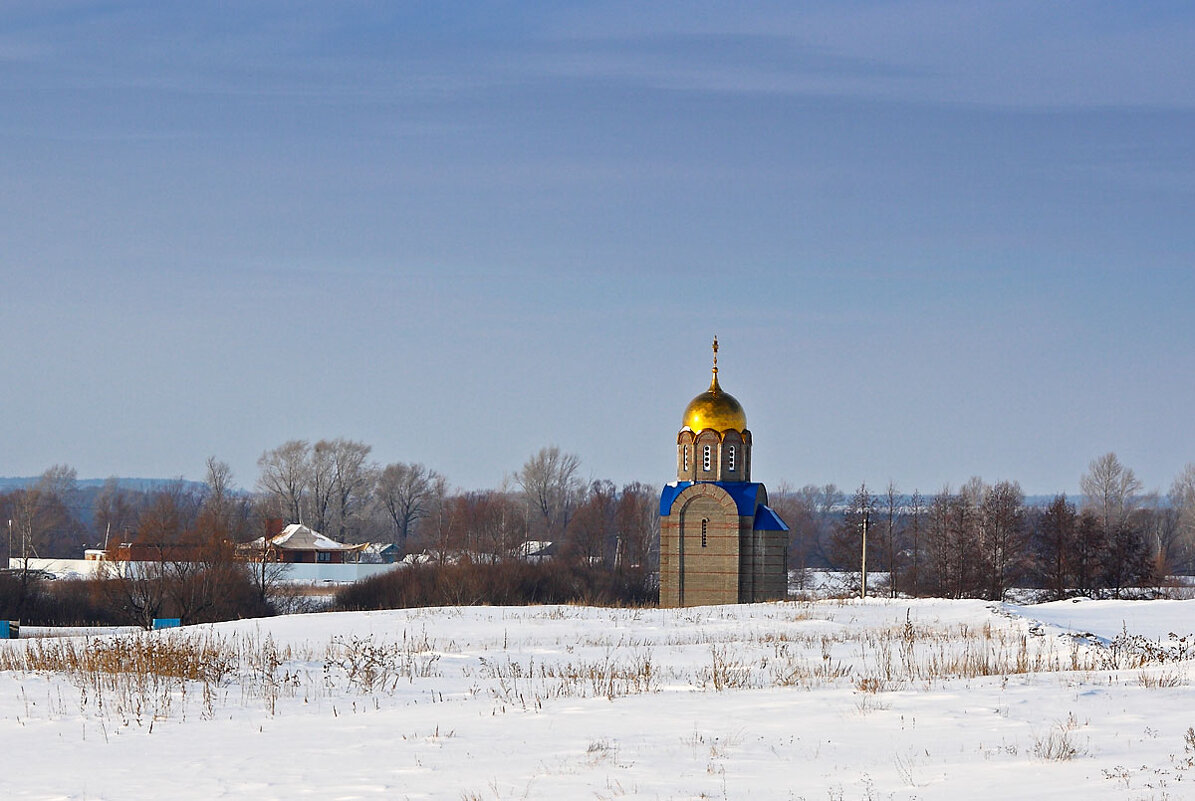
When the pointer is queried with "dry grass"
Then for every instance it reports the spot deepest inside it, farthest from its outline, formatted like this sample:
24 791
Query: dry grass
203 658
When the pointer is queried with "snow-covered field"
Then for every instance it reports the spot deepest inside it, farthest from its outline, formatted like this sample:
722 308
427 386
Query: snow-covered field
924 699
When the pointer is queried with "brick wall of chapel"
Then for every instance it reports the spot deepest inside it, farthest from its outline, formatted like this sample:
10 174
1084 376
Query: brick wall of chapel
693 573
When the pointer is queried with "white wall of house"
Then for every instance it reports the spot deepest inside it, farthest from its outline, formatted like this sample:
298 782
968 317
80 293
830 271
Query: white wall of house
299 573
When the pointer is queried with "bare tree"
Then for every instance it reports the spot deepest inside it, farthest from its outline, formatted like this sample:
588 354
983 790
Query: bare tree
40 523
637 521
285 477
198 581
941 567
219 504
1055 549
115 511
1110 490
914 533
1159 522
218 477
1087 554
27 522
846 544
592 532
352 477
1004 536
184 561
320 479
824 504
225 515
890 537
59 481
1126 561
169 514
1182 501
955 567
491 524
265 574
439 538
321 485
406 492
137 589
1112 494
550 484
26 512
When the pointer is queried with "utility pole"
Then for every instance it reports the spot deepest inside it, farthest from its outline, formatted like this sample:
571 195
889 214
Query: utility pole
864 524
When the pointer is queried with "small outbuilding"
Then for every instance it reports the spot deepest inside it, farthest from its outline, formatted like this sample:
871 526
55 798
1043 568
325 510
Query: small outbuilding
379 553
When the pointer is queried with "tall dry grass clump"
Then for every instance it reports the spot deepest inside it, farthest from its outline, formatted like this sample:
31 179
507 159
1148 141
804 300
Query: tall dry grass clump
204 658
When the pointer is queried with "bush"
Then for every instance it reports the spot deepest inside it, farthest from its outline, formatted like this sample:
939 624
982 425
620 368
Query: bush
508 583
63 602
225 595
192 592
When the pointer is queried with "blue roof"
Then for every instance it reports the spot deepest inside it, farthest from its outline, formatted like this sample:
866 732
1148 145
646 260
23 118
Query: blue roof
743 493
766 519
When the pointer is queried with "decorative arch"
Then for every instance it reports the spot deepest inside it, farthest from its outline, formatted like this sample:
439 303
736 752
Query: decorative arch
705 542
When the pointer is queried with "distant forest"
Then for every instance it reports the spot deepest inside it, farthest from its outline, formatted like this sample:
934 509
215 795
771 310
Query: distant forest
978 540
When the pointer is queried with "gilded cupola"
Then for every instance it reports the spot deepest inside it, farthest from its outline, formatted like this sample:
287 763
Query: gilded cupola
714 443
714 408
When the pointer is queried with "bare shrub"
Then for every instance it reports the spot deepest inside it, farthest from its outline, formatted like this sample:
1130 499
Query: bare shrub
1059 743
61 602
1162 678
368 666
726 671
506 583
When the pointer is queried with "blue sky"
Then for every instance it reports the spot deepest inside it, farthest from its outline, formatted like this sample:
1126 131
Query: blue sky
936 240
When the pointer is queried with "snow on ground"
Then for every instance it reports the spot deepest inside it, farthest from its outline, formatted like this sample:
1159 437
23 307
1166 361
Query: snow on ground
1107 619
830 700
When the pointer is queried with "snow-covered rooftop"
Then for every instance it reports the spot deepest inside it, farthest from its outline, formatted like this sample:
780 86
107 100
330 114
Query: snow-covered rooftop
298 537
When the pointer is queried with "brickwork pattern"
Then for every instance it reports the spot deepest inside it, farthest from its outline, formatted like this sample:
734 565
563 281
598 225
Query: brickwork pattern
690 455
699 564
733 563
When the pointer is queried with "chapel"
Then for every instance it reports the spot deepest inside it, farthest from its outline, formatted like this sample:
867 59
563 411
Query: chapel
720 542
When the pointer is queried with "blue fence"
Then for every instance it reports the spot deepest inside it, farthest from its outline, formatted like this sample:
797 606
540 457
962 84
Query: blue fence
166 623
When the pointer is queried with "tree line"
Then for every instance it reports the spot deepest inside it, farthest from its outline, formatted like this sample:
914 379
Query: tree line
983 539
192 529
977 541
333 487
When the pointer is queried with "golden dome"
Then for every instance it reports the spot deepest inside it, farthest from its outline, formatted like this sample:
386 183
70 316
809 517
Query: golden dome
714 408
